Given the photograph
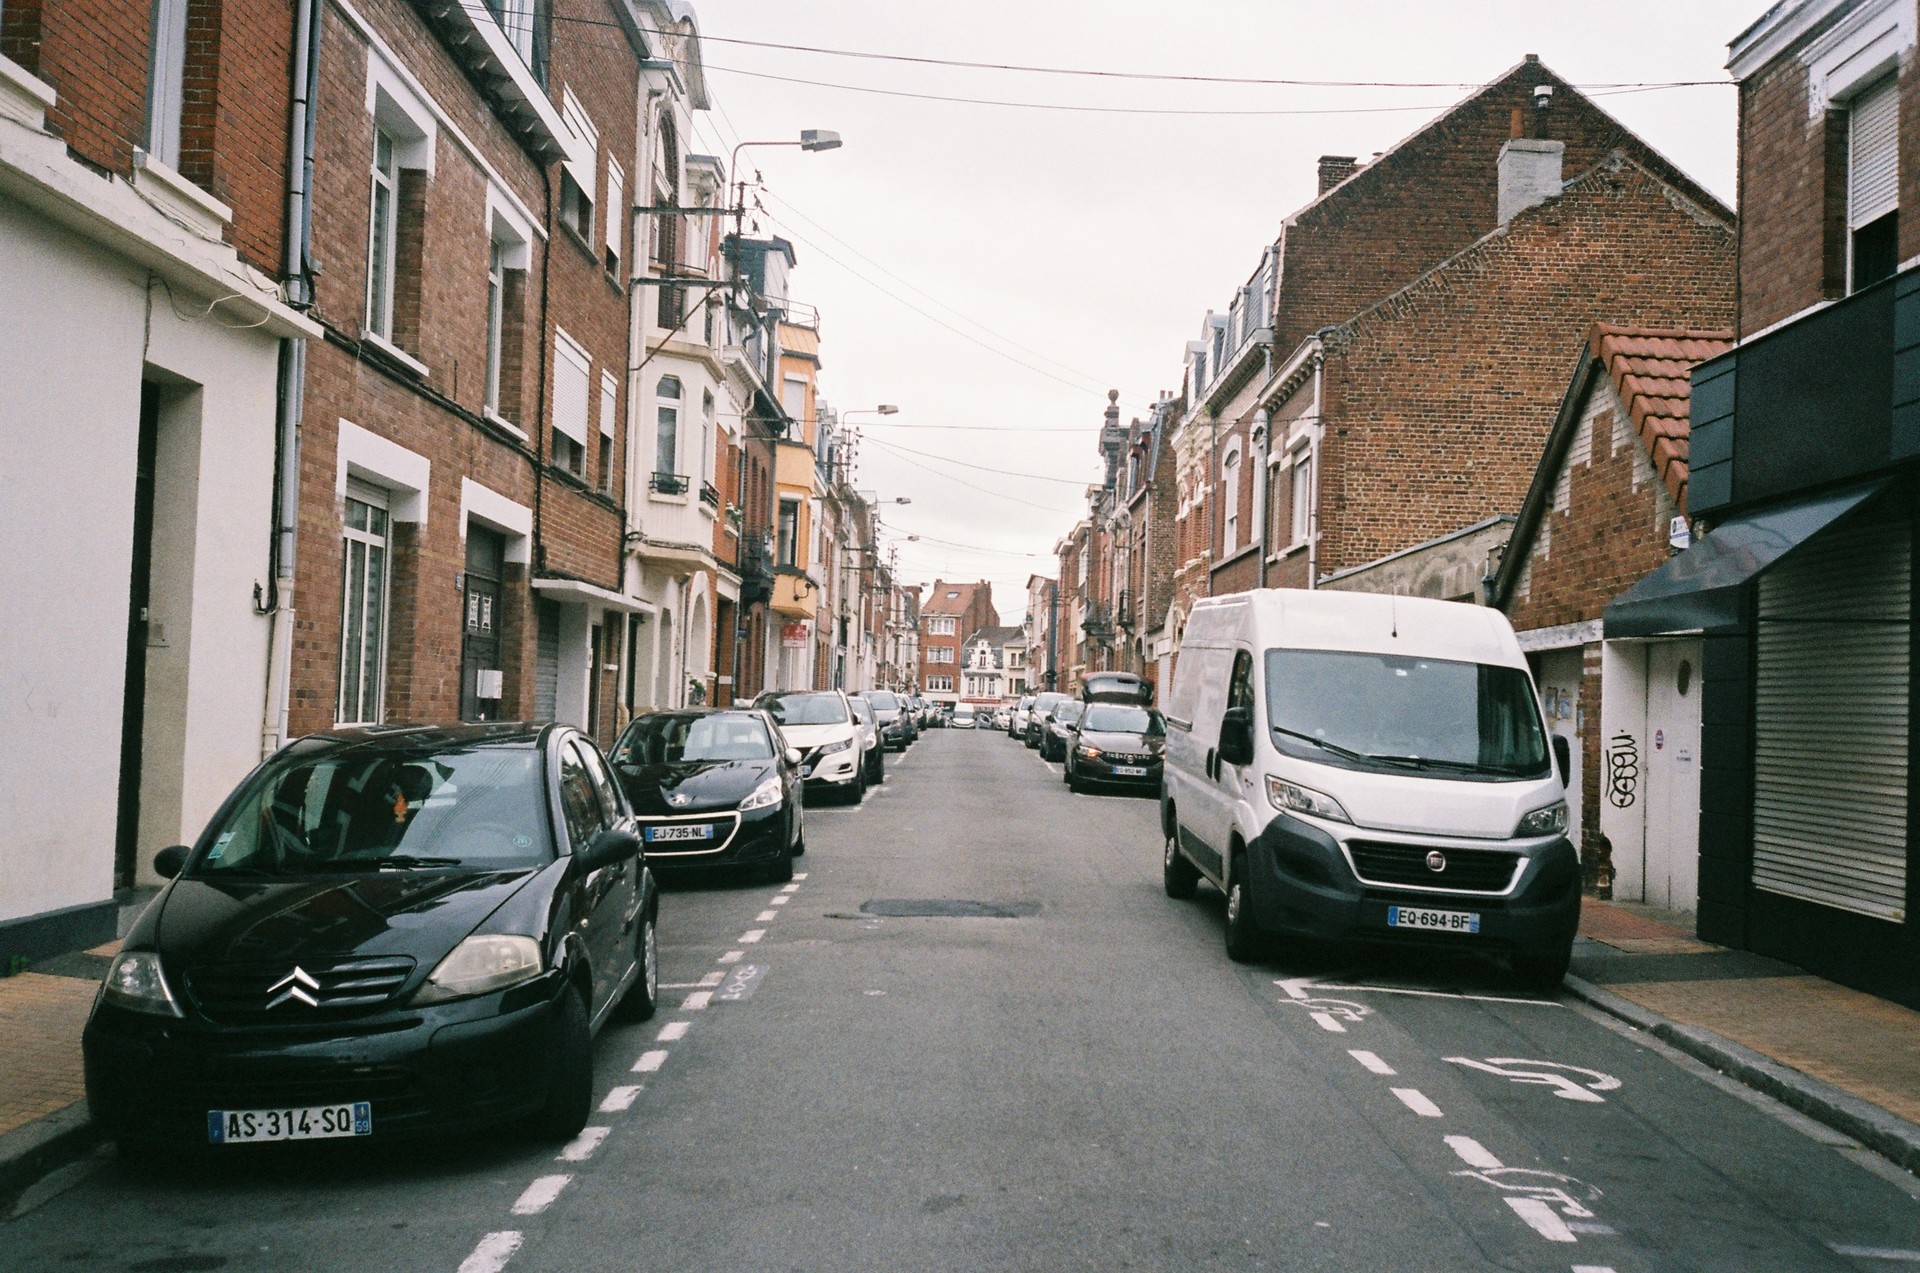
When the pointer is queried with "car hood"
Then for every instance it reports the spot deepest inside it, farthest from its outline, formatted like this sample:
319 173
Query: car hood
1106 741
814 735
424 914
665 790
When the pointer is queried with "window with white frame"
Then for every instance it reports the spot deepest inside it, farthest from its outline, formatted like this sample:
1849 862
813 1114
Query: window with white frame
940 625
617 217
496 320
793 398
939 654
572 394
1302 495
580 170
706 436
787 534
1873 184
383 232
666 433
366 551
508 253
167 88
609 424
940 684
520 20
1230 488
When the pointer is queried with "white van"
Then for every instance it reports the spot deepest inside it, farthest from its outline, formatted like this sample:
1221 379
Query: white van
1352 766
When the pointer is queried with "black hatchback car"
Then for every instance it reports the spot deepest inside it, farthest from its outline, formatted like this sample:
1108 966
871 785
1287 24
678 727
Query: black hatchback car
382 933
713 789
1116 745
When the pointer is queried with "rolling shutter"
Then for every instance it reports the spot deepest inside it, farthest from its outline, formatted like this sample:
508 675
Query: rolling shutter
1831 723
1873 154
546 663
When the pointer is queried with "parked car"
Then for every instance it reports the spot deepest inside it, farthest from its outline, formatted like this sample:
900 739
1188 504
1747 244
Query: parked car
963 716
1037 714
382 933
1116 687
1116 745
713 789
1059 729
895 718
820 725
871 747
1017 718
1352 766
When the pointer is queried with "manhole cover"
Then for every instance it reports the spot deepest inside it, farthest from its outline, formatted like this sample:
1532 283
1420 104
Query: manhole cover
947 908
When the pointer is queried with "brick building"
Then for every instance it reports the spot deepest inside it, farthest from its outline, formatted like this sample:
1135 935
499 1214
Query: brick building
949 612
149 384
1042 633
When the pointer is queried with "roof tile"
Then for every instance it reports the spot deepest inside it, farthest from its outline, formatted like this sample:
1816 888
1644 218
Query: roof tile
1651 366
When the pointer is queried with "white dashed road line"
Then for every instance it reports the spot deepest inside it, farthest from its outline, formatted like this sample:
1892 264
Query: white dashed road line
581 1147
620 1099
766 917
696 1001
793 888
1890 1254
540 1195
492 1254
1473 1153
799 875
778 899
650 1062
751 936
1416 1101
731 957
673 1030
711 979
1371 1061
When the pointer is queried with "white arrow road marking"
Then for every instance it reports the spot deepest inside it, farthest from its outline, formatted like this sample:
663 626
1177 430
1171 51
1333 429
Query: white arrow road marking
1414 1099
673 1030
540 1195
620 1099
1544 1074
650 1061
1295 987
696 1001
1371 1061
581 1147
1473 1153
492 1254
1544 1219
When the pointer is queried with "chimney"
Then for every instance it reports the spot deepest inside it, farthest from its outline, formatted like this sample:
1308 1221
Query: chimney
1529 174
1335 169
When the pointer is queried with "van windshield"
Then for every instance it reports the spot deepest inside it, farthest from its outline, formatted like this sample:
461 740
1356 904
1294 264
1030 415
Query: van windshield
1394 712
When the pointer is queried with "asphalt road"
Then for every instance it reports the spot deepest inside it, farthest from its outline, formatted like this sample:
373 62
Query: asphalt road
1072 1076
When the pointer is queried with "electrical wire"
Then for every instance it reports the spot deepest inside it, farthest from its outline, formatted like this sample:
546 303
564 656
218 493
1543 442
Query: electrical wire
984 490
1085 431
944 459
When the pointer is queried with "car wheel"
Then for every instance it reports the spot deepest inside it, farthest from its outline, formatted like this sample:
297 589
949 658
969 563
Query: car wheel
570 1094
1542 971
858 791
642 999
1181 877
1076 786
782 869
1245 945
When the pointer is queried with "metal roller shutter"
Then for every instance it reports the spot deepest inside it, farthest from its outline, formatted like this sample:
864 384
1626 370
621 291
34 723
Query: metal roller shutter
1831 723
546 662
1873 154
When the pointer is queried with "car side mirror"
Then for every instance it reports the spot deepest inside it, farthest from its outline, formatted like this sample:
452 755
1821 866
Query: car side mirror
1236 736
612 845
170 861
791 755
1563 758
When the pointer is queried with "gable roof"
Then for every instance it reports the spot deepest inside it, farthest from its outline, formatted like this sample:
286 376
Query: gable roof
1650 368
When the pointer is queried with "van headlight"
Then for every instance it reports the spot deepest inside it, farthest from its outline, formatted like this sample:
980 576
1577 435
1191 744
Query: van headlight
765 796
1547 820
842 745
134 982
1291 797
480 965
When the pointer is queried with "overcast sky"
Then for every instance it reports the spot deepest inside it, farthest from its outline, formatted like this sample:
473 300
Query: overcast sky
994 269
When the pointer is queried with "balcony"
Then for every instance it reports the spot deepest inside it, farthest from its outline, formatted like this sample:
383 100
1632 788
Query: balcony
755 565
1098 625
669 483
710 495
1123 609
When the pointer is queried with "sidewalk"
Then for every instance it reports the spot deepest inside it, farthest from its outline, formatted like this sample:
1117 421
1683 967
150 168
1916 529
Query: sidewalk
43 1112
1845 1058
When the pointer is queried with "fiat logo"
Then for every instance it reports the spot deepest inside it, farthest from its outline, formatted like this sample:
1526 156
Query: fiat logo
1436 861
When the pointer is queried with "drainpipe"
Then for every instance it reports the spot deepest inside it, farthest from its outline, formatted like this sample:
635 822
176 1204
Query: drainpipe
1213 489
298 286
1313 454
1264 422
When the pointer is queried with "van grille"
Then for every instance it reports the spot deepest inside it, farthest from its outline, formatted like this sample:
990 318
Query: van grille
1405 865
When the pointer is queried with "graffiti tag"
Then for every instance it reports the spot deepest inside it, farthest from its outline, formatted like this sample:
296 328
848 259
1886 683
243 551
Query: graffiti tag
1623 770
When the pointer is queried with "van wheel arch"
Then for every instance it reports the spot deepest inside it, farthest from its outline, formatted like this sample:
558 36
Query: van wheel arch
1245 942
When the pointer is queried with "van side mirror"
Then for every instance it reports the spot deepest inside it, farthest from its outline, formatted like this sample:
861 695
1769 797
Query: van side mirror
1236 736
169 861
1563 758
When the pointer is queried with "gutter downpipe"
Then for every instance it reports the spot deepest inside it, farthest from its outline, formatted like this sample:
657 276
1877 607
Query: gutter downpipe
298 286
1319 434
1213 489
1264 420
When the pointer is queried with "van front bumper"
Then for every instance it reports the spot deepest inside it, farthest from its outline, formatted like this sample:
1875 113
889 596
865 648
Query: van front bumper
1300 883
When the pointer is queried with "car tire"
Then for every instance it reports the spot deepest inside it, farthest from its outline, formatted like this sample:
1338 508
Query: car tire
858 791
1077 787
1245 943
782 869
1542 971
570 1092
642 999
1181 877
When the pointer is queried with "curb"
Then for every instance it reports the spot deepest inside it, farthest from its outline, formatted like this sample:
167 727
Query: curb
1886 1133
46 1144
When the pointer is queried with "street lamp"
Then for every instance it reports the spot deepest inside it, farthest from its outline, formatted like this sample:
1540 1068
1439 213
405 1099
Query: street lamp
811 140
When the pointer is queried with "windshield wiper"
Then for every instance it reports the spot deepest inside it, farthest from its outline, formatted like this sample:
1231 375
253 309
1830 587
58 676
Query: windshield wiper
396 861
1323 744
1431 762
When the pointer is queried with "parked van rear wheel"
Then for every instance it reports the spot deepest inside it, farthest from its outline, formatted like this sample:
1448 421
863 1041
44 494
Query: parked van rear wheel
1245 944
1181 876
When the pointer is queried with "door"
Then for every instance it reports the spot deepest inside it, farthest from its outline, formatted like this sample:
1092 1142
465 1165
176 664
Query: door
126 849
599 896
1559 675
480 675
1673 774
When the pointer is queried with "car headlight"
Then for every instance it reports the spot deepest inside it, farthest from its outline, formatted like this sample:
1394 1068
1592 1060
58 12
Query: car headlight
843 745
480 965
1291 797
135 982
1087 753
765 796
1548 820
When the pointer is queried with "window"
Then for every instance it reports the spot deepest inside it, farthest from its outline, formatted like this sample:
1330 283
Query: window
572 378
939 654
788 534
365 554
579 172
793 398
666 445
609 424
1303 497
166 91
580 800
617 216
706 436
1230 483
382 233
943 684
517 19
1873 185
496 320
940 625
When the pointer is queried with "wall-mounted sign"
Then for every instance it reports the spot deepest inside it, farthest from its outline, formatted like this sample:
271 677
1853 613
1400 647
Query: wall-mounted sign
793 636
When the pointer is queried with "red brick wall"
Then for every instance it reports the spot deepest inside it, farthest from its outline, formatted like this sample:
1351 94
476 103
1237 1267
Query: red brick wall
1438 403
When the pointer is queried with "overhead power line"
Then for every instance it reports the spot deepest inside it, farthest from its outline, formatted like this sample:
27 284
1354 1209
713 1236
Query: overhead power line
944 459
984 490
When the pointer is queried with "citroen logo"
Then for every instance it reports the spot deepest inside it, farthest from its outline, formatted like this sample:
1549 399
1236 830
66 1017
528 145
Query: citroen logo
679 799
1436 861
298 984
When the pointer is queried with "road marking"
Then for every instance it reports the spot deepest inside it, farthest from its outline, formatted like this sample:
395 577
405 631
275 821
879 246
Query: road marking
1295 987
683 985
1545 1220
581 1147
751 936
697 1000
540 1195
793 888
1440 994
673 1030
1371 1061
1542 1073
1593 1227
1415 1100
731 957
1890 1254
1473 1153
1593 1268
799 875
1328 1024
713 978
620 1099
492 1254
650 1061
766 917
778 899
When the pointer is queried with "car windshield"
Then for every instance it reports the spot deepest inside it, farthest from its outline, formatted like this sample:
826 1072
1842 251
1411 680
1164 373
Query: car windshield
884 700
366 810
1390 711
666 739
1068 712
1103 718
807 709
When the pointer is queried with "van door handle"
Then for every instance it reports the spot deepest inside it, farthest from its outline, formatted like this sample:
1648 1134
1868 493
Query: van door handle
1213 764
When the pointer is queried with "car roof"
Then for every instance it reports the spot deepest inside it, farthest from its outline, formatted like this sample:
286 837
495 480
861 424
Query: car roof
423 738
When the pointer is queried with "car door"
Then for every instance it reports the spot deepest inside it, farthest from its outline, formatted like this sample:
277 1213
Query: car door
1233 785
626 895
1192 757
598 894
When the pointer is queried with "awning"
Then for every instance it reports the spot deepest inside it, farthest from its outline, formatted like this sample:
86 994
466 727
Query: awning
577 592
1699 591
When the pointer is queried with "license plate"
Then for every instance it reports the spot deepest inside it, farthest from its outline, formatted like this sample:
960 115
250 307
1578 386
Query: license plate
317 1122
657 834
1129 771
1433 921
